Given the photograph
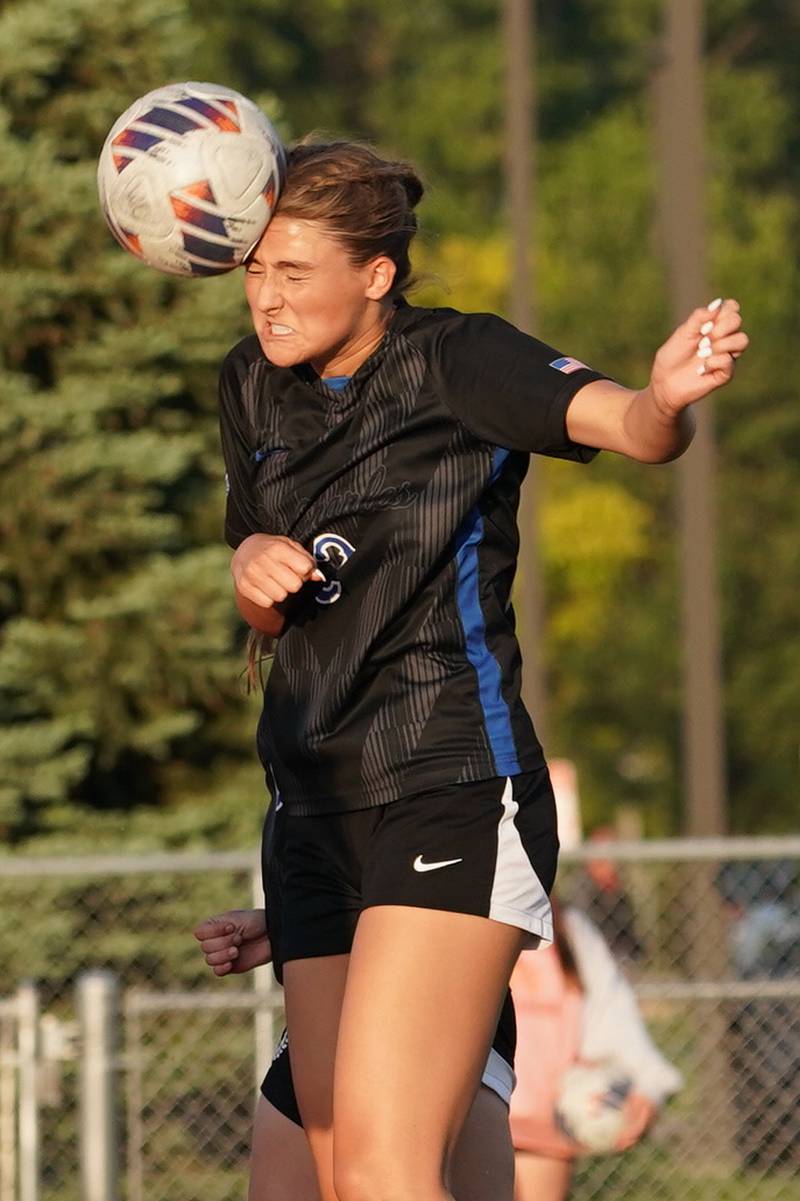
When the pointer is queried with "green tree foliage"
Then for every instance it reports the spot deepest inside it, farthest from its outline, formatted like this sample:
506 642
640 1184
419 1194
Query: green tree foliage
616 678
119 664
615 669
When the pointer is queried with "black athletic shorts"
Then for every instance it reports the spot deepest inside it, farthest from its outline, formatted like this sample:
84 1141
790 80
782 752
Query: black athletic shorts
487 847
498 1075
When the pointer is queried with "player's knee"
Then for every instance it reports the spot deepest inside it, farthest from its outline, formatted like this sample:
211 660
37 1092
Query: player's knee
362 1175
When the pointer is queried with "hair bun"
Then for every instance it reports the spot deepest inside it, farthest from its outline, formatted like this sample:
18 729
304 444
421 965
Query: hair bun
413 186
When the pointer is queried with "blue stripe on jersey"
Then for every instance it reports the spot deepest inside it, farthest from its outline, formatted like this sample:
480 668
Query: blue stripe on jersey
495 709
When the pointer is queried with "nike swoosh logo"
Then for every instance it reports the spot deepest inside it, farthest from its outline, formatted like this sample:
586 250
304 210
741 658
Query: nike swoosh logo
419 866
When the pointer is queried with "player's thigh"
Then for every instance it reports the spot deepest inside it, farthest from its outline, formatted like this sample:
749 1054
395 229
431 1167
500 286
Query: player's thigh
281 1164
313 992
482 1164
539 1178
424 991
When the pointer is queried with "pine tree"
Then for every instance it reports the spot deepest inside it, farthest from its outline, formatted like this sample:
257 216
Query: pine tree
121 651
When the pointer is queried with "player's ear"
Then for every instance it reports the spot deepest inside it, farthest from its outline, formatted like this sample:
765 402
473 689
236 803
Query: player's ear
380 276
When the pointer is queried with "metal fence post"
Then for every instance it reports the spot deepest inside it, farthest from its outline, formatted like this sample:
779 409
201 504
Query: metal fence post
98 1008
8 1100
28 1051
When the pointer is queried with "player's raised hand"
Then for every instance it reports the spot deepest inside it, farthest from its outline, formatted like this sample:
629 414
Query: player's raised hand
699 357
266 568
234 942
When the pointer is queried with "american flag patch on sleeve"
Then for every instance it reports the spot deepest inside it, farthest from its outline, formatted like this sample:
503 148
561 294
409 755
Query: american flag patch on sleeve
568 365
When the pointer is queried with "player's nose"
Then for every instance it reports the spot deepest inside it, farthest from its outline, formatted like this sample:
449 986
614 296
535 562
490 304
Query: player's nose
269 298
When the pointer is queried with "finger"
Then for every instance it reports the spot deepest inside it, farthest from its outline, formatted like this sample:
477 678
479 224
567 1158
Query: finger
719 367
287 578
309 570
296 557
254 593
732 344
293 555
223 969
728 322
719 314
276 582
212 926
271 590
227 955
279 556
725 319
697 321
220 944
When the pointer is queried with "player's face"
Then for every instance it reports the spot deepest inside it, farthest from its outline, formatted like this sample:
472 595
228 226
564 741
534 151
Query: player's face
309 304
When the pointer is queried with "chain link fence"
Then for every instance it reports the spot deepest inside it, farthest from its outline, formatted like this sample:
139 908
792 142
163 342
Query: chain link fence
137 1084
709 933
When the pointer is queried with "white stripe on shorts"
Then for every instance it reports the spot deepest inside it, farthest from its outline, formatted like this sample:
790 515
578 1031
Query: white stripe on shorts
499 1076
518 898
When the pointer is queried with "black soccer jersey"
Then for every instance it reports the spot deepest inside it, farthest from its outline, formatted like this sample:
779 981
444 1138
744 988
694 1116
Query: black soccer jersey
401 672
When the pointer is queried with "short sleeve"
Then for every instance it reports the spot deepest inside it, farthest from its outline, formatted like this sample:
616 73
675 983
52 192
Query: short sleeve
237 450
508 388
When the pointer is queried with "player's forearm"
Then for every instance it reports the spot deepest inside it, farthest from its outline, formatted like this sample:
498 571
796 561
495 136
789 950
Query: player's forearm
269 621
652 434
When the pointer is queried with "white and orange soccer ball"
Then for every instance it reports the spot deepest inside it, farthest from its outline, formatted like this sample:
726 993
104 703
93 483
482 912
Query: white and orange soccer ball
189 177
591 1105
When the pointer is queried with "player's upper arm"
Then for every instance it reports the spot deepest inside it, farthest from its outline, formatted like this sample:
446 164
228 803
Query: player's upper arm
237 450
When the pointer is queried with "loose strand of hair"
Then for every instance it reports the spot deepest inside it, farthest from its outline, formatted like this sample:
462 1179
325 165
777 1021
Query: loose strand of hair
260 649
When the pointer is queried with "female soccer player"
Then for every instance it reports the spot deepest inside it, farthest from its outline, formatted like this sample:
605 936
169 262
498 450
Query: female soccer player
281 1168
374 454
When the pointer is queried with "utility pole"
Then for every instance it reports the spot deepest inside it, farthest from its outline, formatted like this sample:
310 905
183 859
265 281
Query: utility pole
680 127
680 130
520 133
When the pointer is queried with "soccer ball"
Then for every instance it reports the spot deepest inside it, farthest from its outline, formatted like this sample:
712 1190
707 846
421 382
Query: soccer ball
189 177
591 1103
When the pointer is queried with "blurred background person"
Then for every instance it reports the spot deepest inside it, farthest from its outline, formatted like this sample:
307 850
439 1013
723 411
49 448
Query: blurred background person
762 903
574 1005
600 893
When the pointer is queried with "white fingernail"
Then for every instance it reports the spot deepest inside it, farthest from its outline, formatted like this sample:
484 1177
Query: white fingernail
707 327
704 342
705 352
318 576
701 370
712 308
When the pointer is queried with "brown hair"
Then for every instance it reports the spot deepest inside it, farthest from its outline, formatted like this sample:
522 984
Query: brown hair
566 955
259 649
365 200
